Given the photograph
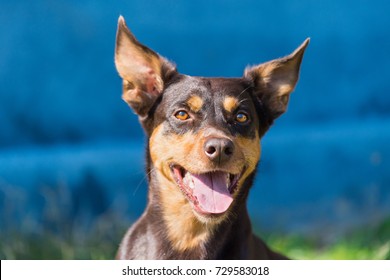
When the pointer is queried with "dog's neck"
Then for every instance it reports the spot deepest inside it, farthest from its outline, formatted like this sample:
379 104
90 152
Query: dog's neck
188 237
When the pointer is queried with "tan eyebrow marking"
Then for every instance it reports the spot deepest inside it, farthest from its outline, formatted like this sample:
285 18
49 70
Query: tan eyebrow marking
195 103
230 104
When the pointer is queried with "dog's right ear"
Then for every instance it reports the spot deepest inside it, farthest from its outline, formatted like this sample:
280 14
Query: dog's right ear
275 80
143 71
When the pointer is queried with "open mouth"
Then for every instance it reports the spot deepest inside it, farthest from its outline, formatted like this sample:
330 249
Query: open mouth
211 192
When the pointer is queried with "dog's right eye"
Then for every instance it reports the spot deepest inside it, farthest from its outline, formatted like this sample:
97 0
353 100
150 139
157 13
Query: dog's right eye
182 115
241 118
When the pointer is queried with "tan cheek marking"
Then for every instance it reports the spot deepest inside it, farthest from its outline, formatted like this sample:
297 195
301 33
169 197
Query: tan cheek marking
185 150
161 151
230 104
251 150
195 103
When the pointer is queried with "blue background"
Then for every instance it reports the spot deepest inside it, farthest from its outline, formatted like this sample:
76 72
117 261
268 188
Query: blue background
72 151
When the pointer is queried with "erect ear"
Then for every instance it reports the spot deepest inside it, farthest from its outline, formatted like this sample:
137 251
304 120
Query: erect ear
276 79
143 71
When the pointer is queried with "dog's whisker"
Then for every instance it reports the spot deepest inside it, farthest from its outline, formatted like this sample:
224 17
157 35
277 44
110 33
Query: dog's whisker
242 92
242 100
144 178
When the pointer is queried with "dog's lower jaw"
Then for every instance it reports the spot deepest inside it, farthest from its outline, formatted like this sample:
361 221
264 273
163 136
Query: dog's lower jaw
188 232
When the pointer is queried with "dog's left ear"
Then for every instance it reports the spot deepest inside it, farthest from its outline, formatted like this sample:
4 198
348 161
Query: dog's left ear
143 71
276 79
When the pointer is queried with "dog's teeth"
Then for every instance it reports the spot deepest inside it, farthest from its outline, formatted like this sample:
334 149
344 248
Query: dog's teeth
186 177
228 180
188 181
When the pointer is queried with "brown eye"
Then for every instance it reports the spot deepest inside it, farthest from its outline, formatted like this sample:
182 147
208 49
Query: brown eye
241 118
182 115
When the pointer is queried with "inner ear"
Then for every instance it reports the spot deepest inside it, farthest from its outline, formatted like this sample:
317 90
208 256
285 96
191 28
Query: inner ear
275 80
143 71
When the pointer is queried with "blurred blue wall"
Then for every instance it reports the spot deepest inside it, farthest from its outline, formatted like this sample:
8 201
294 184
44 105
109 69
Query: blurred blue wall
63 124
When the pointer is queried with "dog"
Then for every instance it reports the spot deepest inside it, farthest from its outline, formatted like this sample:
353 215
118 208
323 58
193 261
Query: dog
202 152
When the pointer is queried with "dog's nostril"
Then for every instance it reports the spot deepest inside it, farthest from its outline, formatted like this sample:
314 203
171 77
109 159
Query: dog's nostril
229 151
211 150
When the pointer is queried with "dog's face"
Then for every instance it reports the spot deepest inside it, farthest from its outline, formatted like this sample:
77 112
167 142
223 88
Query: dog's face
204 133
206 140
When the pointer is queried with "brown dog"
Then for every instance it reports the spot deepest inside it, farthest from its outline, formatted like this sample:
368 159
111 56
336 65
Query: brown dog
203 150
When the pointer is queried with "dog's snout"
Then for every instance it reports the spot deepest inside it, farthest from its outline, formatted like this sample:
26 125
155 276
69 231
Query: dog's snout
219 149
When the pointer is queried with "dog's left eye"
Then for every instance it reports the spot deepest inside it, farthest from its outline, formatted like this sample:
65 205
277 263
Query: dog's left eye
241 117
182 115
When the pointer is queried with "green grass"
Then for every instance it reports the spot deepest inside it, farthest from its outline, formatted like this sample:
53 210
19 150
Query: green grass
66 241
101 240
359 244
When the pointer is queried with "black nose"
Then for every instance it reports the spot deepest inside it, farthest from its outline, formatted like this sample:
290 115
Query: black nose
219 149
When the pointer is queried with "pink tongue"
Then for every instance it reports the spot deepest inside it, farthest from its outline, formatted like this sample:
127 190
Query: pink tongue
212 193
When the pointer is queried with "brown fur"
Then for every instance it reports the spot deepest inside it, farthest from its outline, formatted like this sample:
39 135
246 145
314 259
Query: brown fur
206 141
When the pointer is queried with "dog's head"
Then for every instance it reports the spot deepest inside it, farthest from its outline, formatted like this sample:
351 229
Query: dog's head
204 133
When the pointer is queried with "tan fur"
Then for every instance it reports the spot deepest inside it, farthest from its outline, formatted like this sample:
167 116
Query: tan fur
285 89
131 94
230 104
187 151
267 69
251 150
195 103
185 229
141 69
